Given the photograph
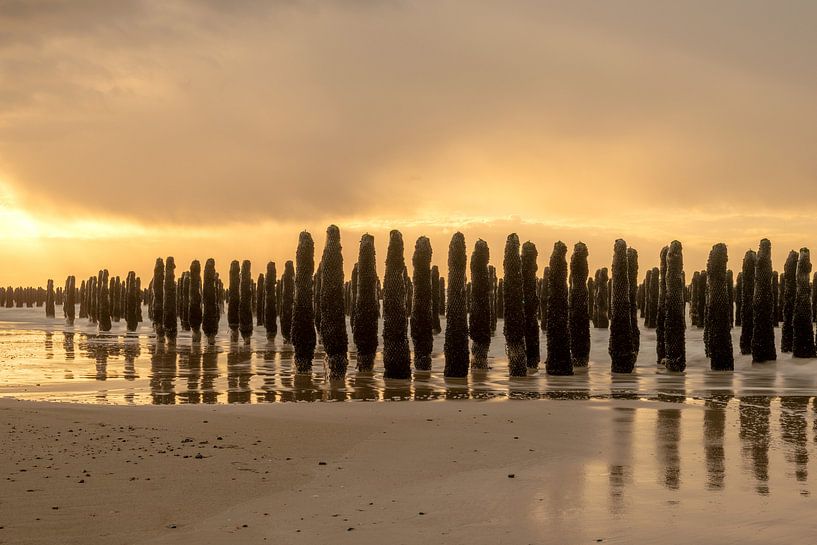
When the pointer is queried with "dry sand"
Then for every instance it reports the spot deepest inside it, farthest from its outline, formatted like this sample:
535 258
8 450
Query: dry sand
610 471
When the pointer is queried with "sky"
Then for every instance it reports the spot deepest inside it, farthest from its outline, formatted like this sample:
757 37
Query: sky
137 128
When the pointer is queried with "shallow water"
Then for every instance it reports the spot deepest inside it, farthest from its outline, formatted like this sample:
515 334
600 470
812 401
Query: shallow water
42 359
727 469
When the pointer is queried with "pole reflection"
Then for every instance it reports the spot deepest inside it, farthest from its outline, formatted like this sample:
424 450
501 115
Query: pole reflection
794 433
755 437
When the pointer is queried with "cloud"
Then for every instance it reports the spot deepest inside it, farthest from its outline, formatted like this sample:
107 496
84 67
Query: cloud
210 113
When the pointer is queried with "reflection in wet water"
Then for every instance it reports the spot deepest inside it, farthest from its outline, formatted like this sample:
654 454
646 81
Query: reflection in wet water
703 432
714 431
755 435
38 360
621 464
744 459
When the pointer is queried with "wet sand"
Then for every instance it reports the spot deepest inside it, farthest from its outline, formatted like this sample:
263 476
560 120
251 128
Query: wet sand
725 470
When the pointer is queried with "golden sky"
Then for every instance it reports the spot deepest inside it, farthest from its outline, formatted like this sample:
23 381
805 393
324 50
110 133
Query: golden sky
134 129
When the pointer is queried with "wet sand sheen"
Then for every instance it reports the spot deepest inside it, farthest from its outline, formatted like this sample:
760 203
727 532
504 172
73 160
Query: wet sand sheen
40 361
619 470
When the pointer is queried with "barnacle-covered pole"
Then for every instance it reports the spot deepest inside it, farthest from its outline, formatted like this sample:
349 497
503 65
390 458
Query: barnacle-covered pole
579 318
479 319
210 310
270 303
169 317
718 327
531 304
194 312
747 307
396 356
157 299
184 301
661 311
366 309
104 302
513 303
287 300
69 305
422 321
435 299
763 342
260 299
304 337
602 313
456 313
802 325
245 326
775 299
730 288
789 300
131 303
333 316
674 326
738 293
50 311
621 336
234 300
647 298
632 279
558 360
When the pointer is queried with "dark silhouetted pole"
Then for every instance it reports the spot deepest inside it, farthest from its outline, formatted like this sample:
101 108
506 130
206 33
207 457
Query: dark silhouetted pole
333 316
674 326
802 325
479 319
558 360
719 327
661 311
602 313
50 311
531 304
514 309
422 321
210 310
69 306
245 326
789 299
775 299
260 299
287 300
544 295
579 318
304 337
234 300
621 335
157 299
194 311
366 305
169 317
316 297
396 357
103 302
435 299
763 342
747 307
270 303
738 294
456 313
632 279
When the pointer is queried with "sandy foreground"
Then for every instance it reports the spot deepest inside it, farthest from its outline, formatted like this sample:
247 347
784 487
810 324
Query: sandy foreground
595 471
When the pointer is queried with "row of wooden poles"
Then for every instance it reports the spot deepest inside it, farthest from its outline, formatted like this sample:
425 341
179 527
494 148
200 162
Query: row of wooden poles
311 304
